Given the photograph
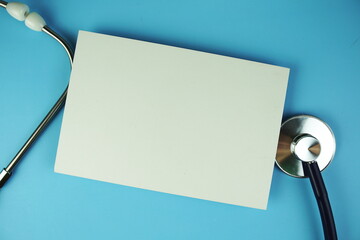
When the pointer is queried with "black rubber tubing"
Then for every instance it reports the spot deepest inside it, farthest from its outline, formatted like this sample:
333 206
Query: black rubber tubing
312 171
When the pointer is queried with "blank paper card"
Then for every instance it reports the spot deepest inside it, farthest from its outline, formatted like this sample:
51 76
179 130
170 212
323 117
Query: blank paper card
172 120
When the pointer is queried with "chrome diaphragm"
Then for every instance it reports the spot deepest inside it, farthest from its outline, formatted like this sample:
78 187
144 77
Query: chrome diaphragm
304 138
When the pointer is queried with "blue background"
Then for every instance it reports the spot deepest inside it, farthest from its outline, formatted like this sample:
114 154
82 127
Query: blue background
318 40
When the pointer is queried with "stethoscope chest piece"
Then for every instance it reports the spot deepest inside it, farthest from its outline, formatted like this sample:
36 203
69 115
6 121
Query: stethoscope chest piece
304 138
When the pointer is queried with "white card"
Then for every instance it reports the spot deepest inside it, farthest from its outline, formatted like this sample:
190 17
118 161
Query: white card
172 120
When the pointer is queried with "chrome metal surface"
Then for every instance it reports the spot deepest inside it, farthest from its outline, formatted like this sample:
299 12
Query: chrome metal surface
304 138
4 176
57 37
3 4
37 131
50 115
306 148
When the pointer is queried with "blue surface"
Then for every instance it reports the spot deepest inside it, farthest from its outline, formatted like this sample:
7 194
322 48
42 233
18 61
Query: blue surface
318 40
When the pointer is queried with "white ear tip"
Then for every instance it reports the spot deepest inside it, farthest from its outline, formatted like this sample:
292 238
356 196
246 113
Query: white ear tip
17 10
34 21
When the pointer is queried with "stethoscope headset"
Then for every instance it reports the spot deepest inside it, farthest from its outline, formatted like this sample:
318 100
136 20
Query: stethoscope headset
306 144
34 21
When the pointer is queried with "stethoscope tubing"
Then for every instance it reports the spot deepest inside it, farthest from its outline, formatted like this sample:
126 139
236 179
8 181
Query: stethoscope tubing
306 147
313 172
311 169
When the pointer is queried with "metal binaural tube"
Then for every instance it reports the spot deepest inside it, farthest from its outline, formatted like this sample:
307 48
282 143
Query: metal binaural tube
57 106
53 111
70 52
3 4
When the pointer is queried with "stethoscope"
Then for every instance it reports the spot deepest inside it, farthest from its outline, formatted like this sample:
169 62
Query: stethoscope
306 144
34 21
306 147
